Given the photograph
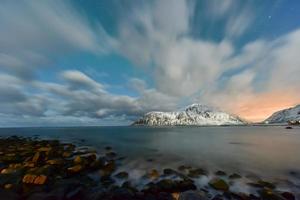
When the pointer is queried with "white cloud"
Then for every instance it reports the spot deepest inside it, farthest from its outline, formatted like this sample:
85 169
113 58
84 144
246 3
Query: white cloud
33 33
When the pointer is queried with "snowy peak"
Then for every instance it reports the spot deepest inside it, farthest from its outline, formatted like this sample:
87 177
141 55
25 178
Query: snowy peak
198 108
285 116
194 114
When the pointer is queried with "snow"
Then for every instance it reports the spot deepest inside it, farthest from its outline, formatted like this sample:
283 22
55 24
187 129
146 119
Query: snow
195 114
283 116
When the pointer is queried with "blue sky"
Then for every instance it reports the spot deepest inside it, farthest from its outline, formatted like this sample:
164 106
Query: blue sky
66 63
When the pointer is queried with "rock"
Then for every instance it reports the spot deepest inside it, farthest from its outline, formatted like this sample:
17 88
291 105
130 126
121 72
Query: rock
220 173
219 184
29 164
267 194
288 127
78 160
40 180
288 196
265 184
8 186
67 154
55 162
186 184
167 185
153 174
184 167
45 149
75 168
8 171
29 178
234 176
175 195
195 173
37 157
169 171
192 195
34 179
122 175
108 168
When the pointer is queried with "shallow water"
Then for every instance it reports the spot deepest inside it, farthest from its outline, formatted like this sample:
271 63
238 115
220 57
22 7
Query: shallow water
270 152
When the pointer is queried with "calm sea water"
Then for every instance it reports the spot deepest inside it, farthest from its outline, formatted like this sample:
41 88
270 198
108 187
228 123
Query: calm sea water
269 152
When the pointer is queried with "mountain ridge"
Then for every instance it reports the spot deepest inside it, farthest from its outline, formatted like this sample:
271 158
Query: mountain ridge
285 115
193 115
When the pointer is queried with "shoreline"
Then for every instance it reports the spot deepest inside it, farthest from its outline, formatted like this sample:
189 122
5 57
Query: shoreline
38 169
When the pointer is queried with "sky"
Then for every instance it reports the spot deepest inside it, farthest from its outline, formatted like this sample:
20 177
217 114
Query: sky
78 62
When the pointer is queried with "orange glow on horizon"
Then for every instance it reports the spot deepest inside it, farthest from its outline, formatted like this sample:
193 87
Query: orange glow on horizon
257 108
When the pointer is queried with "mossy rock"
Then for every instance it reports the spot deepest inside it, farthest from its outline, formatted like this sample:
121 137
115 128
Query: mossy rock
219 184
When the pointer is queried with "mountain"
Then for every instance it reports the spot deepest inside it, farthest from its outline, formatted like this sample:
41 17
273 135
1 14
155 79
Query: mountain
195 114
284 116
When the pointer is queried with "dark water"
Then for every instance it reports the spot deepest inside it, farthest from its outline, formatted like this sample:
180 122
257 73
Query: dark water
271 152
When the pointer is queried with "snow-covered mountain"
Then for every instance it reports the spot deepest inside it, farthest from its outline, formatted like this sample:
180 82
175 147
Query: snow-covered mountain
286 115
194 114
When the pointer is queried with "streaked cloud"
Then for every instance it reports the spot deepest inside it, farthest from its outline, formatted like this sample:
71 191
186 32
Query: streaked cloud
157 37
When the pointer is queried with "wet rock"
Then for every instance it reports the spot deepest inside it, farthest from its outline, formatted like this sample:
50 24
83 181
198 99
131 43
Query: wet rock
38 157
234 176
219 184
40 180
75 169
220 173
288 196
195 173
45 149
122 175
266 184
169 172
153 174
34 179
8 171
262 184
288 127
267 194
67 154
55 162
184 167
186 184
78 160
192 195
108 168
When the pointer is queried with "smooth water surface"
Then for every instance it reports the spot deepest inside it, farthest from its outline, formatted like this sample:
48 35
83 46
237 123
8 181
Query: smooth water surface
267 151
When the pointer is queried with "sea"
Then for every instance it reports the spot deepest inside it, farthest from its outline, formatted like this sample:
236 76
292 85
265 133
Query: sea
265 152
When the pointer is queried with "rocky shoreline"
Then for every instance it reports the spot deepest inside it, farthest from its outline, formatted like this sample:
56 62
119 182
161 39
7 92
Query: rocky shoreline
50 169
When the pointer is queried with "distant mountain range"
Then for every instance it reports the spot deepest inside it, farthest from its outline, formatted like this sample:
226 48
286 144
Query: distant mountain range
195 114
291 115
201 115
